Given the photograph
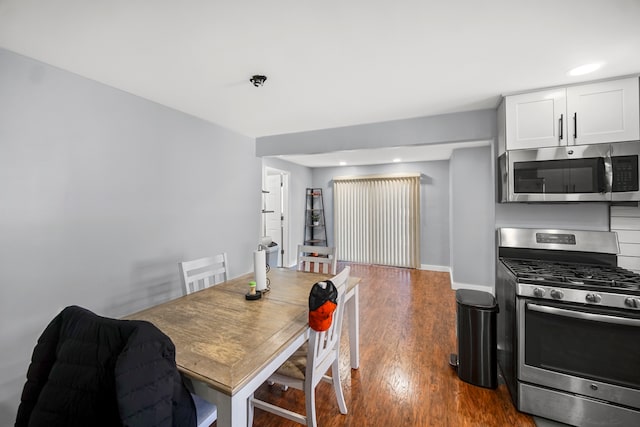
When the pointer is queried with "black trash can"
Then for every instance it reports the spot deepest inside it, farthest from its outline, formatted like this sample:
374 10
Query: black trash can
476 360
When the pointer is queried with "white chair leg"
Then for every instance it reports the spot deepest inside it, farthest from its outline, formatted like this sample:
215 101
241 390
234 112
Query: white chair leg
337 386
282 386
310 403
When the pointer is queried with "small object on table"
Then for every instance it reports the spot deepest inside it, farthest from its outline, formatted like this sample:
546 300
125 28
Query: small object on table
253 293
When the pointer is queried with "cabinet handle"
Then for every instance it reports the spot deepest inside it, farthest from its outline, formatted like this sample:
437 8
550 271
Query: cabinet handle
561 120
575 125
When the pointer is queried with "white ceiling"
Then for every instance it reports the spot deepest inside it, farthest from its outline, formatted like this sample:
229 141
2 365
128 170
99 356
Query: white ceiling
329 63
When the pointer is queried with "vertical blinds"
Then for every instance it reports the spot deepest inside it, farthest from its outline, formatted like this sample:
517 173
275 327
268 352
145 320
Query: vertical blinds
377 219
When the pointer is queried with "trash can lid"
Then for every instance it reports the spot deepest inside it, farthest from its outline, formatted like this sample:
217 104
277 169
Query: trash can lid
477 299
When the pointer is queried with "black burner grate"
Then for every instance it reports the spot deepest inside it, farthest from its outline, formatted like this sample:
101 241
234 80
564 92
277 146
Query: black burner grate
573 274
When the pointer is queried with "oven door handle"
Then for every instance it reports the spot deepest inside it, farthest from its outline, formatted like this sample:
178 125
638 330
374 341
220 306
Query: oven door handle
584 316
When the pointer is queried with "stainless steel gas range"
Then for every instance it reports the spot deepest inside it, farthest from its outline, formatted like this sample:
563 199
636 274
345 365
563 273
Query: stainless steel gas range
569 326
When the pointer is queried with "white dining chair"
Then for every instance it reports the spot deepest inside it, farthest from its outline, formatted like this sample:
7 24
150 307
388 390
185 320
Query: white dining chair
309 365
203 272
317 259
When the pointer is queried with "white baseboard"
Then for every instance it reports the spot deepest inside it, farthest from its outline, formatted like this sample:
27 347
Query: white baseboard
444 268
455 285
482 288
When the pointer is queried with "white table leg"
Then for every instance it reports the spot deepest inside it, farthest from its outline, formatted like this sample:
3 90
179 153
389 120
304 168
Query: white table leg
354 327
232 410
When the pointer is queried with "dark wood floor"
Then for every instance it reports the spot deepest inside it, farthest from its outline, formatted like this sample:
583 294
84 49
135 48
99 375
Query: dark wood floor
407 331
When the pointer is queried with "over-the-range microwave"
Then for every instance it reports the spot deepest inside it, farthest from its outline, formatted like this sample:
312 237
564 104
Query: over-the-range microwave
576 173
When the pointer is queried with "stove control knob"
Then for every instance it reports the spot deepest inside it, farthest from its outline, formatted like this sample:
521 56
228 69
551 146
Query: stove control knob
557 294
593 298
632 302
538 292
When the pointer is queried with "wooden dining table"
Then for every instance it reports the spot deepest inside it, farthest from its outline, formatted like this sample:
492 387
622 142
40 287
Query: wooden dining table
228 345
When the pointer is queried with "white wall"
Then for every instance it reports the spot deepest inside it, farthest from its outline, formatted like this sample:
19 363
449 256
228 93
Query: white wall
101 195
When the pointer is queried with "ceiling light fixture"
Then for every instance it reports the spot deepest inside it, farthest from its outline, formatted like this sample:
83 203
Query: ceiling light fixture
397 160
584 69
258 80
343 163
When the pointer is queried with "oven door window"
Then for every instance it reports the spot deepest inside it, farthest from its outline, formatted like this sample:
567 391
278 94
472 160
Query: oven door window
560 176
598 344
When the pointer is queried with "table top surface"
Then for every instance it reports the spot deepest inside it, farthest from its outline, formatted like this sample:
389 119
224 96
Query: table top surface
223 339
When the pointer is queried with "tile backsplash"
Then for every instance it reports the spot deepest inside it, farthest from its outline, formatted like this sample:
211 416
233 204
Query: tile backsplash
625 220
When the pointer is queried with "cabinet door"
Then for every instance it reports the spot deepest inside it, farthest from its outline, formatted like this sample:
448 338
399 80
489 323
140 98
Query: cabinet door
604 112
536 119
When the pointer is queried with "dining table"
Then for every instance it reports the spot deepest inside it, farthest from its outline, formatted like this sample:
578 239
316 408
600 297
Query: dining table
228 345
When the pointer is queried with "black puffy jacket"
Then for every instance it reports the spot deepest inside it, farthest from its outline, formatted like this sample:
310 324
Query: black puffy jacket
88 370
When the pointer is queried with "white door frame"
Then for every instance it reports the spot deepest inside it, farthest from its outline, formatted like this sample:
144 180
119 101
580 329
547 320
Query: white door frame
283 241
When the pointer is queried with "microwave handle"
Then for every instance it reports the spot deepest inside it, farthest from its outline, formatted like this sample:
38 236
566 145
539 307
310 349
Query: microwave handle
582 315
608 173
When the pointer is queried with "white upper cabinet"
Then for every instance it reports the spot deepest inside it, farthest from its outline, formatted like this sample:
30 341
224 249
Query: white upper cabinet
586 114
604 112
536 119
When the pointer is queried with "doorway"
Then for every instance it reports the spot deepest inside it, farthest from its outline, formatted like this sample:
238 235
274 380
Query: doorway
276 207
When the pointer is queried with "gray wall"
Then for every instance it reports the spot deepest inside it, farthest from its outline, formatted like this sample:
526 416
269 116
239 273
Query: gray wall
472 218
434 196
477 125
475 216
434 199
101 194
472 126
300 178
437 240
472 212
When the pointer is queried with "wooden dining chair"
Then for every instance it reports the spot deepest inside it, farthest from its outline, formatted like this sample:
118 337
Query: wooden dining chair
317 259
309 365
203 272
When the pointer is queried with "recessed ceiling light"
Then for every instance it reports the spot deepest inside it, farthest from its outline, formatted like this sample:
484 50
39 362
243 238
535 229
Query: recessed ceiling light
397 160
584 69
343 163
